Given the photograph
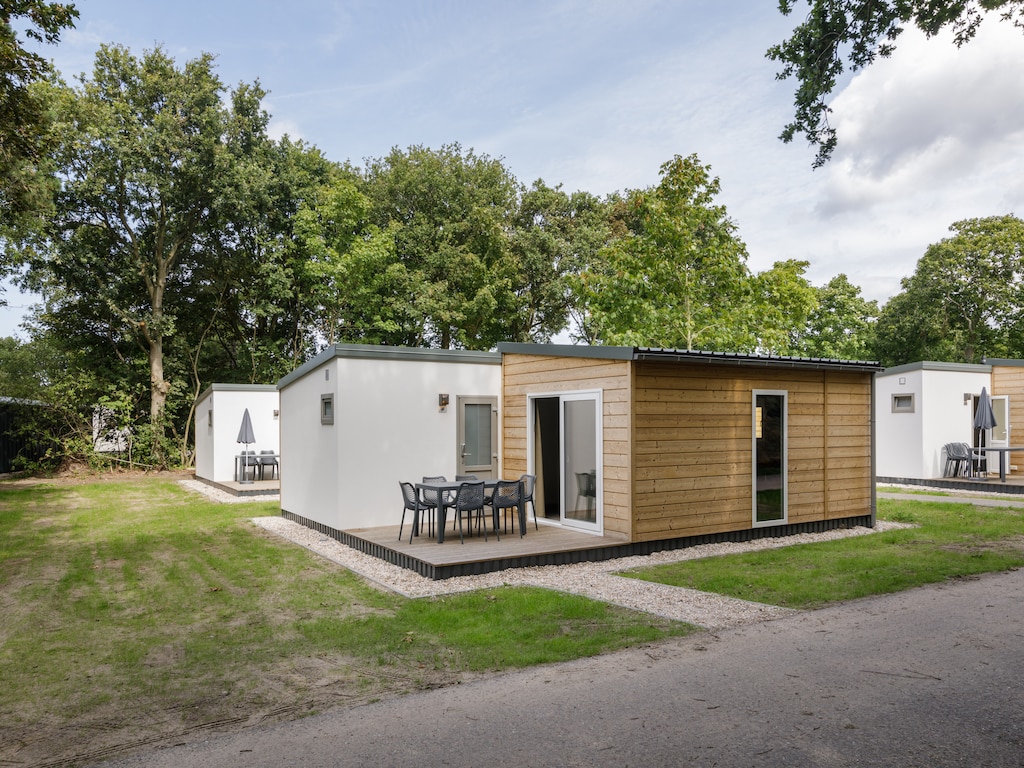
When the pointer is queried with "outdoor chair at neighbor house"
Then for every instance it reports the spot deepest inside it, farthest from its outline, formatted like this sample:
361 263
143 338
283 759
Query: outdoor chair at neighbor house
469 499
507 496
954 465
249 461
268 459
529 486
411 502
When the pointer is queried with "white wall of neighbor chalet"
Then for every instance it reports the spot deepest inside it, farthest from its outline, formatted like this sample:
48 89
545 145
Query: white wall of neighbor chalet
910 444
217 442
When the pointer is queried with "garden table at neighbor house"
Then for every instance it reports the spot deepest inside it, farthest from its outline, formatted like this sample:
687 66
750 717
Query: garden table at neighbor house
450 486
1002 457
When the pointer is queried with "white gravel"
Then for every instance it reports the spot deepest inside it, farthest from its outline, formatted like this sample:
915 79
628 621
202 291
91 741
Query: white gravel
595 580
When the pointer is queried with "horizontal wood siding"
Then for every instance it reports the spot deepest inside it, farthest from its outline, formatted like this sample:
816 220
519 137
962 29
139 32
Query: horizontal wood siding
693 453
1009 380
524 375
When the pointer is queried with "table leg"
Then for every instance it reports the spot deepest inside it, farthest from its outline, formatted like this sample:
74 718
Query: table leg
1002 466
522 516
440 517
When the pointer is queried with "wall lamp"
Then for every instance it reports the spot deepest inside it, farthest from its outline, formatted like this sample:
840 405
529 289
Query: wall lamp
442 403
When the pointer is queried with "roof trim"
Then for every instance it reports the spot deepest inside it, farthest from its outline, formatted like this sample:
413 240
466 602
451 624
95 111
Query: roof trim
649 354
931 365
1003 362
220 387
382 352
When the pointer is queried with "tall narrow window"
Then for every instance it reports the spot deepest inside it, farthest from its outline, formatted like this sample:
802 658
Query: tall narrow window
769 457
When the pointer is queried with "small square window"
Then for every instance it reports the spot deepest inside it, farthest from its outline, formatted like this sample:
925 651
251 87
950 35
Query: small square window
903 403
326 409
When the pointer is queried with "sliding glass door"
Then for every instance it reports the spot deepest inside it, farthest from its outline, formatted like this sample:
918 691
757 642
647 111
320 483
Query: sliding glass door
568 483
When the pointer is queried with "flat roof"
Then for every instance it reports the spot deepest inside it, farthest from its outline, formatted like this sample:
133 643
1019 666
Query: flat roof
218 387
931 365
684 356
383 352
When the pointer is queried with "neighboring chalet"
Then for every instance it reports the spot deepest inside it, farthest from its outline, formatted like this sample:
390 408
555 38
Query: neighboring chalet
634 449
924 406
218 413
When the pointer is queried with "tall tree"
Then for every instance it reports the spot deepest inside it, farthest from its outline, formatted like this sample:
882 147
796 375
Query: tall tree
783 301
142 163
841 34
555 236
840 326
678 277
449 211
23 116
965 299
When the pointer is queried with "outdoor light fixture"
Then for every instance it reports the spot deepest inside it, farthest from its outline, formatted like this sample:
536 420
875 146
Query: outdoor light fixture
967 397
442 402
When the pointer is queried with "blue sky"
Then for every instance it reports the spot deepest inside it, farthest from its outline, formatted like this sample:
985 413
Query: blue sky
597 94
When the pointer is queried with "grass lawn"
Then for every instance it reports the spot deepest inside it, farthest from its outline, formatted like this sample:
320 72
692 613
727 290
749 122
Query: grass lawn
949 541
133 611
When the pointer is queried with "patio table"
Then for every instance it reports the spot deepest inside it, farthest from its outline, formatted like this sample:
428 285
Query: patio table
1002 457
452 485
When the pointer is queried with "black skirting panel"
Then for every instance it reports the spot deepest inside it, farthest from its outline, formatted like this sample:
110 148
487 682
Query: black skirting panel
990 485
477 567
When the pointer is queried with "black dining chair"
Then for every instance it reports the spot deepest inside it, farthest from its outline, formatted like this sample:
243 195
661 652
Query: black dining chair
412 502
249 460
507 496
469 499
529 486
430 497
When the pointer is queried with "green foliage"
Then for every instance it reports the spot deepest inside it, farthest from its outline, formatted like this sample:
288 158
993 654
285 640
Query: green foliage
23 115
782 306
678 277
841 325
964 301
448 212
835 36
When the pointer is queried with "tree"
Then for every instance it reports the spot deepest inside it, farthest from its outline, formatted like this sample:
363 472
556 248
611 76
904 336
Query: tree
782 302
449 212
964 301
23 116
841 34
143 166
841 326
678 276
555 236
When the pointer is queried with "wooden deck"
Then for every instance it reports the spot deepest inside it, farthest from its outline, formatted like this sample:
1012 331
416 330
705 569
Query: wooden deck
548 545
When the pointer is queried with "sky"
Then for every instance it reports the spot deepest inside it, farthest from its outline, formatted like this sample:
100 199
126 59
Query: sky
596 94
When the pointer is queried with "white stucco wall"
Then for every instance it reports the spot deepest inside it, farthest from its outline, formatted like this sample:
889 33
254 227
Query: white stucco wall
217 441
387 428
910 444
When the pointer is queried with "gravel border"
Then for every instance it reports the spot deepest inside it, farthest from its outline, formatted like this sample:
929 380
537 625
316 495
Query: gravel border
594 580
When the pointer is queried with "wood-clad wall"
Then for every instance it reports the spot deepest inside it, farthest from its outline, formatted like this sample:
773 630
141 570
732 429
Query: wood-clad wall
1009 380
693 446
678 439
544 374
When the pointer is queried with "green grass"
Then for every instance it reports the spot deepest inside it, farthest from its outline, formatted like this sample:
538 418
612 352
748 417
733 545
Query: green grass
128 600
949 541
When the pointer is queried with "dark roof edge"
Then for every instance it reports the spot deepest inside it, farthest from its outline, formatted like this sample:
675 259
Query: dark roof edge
741 358
931 365
382 352
1003 362
218 387
679 355
566 350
